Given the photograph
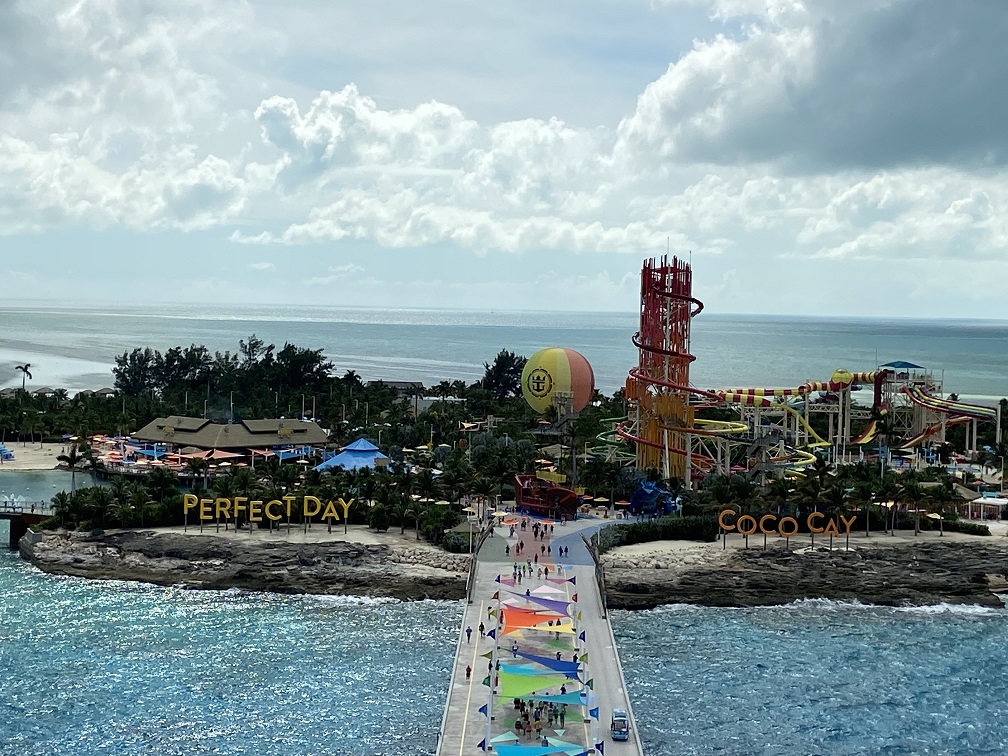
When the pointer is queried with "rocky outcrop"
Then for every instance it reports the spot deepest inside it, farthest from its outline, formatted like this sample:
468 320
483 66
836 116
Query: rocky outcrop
931 572
333 567
925 572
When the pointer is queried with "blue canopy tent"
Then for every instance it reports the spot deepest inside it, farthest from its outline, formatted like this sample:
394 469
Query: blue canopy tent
361 453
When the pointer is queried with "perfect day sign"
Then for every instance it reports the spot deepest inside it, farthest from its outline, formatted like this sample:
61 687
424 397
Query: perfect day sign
275 509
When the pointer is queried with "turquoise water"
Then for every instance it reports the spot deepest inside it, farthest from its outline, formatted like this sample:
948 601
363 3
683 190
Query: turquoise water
108 667
37 485
76 348
817 677
96 667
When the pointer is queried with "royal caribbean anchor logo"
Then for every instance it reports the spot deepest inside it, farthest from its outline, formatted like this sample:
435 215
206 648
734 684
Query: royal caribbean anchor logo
539 382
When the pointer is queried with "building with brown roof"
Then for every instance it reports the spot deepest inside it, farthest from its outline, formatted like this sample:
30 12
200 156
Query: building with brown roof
247 434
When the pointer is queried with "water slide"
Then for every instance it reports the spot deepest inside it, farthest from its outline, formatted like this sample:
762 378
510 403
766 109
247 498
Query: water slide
757 398
841 379
949 407
925 434
867 434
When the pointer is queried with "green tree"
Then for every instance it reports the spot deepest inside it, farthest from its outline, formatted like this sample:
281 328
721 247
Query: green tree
25 373
502 377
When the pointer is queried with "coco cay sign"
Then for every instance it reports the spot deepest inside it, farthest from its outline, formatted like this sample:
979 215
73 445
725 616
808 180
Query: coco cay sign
256 509
784 526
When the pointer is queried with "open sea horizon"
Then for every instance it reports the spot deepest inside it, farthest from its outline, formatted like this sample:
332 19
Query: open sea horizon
75 347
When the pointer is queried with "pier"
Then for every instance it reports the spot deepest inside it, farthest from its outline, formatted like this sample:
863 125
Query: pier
519 658
22 515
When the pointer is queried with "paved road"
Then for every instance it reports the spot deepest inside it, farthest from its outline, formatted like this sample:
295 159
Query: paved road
464 725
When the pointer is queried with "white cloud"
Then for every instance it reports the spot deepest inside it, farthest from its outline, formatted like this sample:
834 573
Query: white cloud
809 135
335 273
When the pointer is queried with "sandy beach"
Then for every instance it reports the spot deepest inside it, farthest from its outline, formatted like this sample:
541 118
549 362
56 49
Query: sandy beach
32 457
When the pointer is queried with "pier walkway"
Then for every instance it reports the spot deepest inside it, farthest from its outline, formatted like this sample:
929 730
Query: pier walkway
570 590
22 515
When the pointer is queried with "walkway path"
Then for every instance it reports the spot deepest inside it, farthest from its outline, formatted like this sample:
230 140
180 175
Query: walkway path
465 727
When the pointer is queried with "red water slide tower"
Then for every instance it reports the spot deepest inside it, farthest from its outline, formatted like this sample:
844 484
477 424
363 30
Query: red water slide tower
658 389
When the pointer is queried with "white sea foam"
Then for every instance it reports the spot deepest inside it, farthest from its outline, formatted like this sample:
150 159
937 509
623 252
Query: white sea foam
963 610
344 601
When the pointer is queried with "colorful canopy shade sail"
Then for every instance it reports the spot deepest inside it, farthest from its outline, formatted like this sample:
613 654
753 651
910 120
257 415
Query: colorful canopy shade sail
516 686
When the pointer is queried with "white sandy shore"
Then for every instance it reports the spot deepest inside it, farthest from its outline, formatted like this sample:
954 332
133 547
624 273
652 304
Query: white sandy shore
359 534
685 554
32 457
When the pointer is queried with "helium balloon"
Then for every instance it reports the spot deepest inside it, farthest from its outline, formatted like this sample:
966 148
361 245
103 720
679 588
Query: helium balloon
557 371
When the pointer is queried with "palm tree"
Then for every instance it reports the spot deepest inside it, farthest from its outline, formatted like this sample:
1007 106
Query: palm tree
25 373
197 467
138 500
821 468
101 503
61 505
74 460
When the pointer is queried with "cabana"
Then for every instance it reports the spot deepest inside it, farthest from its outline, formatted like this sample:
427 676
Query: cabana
361 453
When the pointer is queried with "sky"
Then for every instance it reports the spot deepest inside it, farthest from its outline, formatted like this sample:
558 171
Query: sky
808 158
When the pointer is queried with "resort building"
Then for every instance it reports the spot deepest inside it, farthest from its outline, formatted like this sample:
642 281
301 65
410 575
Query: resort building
247 434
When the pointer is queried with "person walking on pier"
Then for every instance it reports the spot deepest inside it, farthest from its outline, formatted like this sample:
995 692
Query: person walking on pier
482 630
468 672
468 635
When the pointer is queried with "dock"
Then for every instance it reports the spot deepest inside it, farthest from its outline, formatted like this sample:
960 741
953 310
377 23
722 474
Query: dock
519 658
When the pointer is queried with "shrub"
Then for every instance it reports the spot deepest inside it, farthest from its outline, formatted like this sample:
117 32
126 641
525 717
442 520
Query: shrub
964 526
379 519
668 528
455 543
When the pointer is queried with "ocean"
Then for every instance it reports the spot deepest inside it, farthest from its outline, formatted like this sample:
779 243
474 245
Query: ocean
97 667
76 347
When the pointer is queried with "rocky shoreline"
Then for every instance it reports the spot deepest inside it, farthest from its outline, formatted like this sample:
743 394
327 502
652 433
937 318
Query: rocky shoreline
926 572
212 563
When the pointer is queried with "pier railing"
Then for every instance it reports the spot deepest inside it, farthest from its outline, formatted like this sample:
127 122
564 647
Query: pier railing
471 580
26 507
599 573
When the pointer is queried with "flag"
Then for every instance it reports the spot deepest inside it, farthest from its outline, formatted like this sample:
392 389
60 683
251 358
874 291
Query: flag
573 580
600 747
590 684
574 598
487 655
496 593
492 634
584 657
497 579
486 681
482 745
492 613
593 712
483 710
579 616
582 636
